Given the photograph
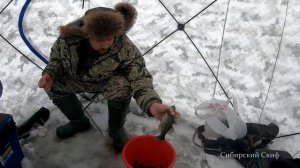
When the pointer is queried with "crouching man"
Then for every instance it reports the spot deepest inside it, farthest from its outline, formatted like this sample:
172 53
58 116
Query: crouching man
93 54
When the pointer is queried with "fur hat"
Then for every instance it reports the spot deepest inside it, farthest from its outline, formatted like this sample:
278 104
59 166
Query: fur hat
100 23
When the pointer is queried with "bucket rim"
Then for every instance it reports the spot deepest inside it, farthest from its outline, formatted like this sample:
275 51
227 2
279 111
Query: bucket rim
147 136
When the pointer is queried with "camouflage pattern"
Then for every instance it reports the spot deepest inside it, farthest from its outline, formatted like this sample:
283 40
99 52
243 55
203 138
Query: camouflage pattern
119 74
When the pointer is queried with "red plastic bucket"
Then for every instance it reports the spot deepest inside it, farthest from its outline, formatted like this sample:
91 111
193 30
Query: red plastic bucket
148 151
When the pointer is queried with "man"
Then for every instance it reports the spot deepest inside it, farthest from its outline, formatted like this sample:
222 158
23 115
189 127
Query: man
93 54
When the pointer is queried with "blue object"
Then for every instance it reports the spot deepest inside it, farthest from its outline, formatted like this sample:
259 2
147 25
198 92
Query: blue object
11 154
20 24
1 89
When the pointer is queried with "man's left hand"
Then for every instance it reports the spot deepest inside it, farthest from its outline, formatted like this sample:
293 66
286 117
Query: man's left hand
158 111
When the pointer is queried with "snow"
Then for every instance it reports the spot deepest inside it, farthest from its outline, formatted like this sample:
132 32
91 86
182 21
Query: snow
181 77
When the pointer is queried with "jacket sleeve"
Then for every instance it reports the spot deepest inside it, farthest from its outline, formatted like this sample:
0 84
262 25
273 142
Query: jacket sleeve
54 68
141 82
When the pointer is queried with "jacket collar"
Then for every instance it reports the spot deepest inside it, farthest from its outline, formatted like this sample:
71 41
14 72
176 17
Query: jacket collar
73 44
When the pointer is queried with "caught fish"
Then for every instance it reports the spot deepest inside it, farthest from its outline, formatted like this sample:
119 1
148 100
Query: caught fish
166 125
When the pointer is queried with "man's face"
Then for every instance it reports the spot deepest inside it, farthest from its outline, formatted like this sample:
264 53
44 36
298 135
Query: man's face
101 46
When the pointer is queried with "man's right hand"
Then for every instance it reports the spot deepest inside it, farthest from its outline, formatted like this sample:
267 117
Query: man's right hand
46 82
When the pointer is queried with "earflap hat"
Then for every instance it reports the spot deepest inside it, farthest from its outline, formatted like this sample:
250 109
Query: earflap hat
101 23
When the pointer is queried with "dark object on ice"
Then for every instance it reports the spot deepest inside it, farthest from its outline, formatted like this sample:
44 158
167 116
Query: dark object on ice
275 159
11 153
258 137
286 163
37 119
1 89
166 125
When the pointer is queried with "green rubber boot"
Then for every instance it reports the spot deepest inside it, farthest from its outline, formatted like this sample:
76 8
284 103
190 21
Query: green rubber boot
72 109
117 111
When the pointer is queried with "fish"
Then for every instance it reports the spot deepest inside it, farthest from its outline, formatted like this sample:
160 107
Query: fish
166 125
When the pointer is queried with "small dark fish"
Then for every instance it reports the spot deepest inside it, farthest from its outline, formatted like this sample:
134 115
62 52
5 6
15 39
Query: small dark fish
166 125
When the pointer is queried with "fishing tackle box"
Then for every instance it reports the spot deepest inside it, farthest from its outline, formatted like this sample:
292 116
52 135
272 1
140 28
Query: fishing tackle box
11 153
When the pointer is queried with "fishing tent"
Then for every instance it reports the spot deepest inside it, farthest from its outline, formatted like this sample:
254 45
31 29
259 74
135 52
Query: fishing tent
196 50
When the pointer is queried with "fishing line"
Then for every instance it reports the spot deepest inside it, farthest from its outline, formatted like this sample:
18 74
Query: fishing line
221 47
277 56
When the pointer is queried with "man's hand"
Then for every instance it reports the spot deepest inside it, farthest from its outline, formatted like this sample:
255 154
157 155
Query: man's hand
158 111
46 82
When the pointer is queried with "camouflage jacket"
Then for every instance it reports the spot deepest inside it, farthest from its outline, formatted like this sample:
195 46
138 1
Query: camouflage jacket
123 59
